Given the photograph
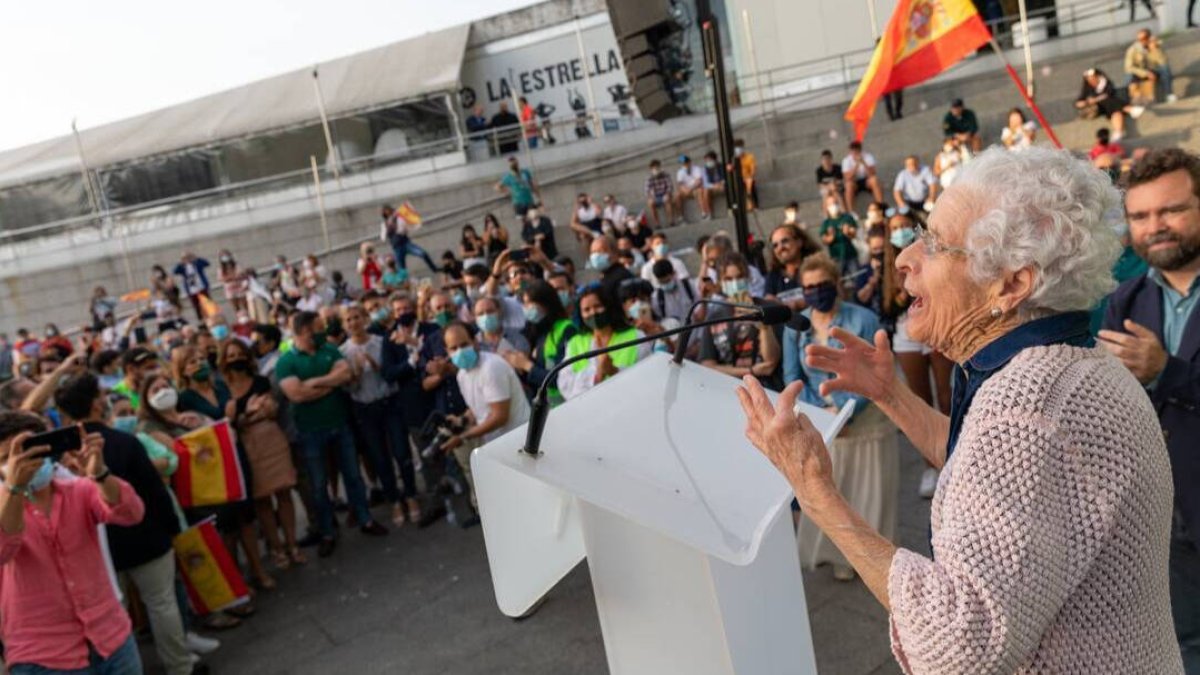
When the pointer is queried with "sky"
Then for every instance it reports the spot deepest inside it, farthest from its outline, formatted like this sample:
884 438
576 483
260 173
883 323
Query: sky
97 62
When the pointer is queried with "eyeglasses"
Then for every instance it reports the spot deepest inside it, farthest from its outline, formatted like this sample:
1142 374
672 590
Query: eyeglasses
934 247
783 241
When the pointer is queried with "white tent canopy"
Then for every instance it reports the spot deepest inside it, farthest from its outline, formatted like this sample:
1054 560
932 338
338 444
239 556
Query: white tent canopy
400 71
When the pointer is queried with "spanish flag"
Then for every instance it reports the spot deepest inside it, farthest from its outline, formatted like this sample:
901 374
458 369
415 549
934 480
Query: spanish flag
408 214
212 579
209 472
923 38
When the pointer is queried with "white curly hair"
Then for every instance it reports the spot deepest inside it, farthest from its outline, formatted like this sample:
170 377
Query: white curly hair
1048 210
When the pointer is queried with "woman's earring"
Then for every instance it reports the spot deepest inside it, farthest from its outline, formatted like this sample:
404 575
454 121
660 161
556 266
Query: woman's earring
997 312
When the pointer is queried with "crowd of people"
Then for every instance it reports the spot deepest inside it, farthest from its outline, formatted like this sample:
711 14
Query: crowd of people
368 392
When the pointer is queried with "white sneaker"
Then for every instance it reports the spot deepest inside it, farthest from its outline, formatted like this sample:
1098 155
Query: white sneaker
201 645
1172 98
1136 111
929 481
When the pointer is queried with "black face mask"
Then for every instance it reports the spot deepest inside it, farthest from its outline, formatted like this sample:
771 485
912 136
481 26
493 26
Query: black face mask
597 321
241 366
407 319
212 359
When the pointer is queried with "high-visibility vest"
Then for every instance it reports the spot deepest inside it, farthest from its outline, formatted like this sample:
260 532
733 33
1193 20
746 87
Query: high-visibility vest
622 358
550 349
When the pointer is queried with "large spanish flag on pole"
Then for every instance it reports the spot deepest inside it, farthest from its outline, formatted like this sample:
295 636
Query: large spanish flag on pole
209 472
212 579
923 38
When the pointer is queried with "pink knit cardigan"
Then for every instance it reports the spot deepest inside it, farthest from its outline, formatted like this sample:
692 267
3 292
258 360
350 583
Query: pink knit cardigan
1051 528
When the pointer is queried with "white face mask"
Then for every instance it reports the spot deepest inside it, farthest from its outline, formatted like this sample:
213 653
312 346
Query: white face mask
164 400
833 210
789 216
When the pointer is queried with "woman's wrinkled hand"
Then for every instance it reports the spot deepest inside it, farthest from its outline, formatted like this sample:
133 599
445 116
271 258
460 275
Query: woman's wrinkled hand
787 438
860 367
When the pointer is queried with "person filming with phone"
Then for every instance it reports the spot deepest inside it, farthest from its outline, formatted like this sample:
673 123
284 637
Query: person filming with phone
58 609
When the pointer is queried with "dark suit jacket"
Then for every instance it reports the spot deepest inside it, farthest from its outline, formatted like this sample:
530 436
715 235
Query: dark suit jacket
1176 397
151 538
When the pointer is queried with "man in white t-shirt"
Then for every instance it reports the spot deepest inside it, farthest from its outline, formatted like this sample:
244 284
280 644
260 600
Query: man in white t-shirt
689 184
859 174
495 399
661 250
613 211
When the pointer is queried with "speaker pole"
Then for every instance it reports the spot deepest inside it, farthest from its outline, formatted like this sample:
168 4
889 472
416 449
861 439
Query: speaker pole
714 68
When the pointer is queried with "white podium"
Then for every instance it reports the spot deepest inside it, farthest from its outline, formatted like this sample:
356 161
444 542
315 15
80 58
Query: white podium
686 526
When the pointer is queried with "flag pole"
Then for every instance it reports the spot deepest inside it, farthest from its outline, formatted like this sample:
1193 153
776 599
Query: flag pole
874 20
1012 73
1027 49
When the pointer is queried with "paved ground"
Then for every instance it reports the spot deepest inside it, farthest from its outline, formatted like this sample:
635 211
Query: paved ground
420 602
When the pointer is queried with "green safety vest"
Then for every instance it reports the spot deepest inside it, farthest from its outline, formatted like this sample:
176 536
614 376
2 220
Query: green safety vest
622 358
550 348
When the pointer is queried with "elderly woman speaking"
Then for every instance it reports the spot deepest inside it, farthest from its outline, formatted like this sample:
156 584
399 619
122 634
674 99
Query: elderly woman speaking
1052 514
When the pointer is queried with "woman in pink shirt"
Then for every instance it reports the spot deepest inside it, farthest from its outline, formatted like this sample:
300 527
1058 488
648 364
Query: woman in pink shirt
1051 519
58 609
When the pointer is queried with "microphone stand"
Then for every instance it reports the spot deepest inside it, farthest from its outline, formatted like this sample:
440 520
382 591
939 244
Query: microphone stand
681 347
540 409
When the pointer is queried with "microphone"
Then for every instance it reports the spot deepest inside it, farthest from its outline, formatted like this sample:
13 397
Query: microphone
766 312
769 314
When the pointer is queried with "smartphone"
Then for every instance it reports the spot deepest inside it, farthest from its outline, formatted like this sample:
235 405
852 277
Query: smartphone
60 441
519 255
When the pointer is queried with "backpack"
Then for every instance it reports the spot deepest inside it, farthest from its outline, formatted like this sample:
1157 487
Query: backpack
660 299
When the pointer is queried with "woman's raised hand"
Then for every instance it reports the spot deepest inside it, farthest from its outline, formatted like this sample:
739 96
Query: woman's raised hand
859 367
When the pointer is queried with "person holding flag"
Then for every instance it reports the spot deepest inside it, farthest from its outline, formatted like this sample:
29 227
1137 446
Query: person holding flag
395 230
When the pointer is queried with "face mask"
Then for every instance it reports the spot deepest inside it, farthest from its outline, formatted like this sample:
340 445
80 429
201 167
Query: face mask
164 400
109 381
661 250
465 358
534 314
599 261
789 216
220 332
407 319
379 315
596 321
42 478
635 310
834 210
126 423
670 286
877 256
50 332
821 298
565 298
474 294
211 357
732 287
241 366
738 151
903 237
443 318
459 298
710 164
202 374
318 338
488 323
226 259
532 214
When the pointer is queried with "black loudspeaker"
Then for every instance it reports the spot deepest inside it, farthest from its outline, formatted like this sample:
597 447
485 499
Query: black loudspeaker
649 36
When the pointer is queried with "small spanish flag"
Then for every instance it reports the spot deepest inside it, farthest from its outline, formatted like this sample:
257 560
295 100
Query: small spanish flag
212 579
922 39
408 214
208 306
209 472
140 295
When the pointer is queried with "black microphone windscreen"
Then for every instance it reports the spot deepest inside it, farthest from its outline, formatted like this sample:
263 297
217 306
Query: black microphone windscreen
775 314
799 323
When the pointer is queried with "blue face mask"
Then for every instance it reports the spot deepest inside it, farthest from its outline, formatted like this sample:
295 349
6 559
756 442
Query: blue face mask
126 423
565 298
661 250
599 261
732 287
459 298
670 286
465 358
822 298
488 323
635 311
380 315
903 237
220 331
534 314
42 478
109 381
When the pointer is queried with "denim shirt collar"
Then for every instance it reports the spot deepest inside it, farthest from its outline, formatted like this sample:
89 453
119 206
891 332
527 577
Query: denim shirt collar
1069 328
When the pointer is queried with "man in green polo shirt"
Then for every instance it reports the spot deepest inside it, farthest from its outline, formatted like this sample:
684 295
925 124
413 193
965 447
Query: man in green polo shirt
137 363
310 375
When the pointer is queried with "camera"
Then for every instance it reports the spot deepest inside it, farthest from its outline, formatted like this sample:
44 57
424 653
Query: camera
435 432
